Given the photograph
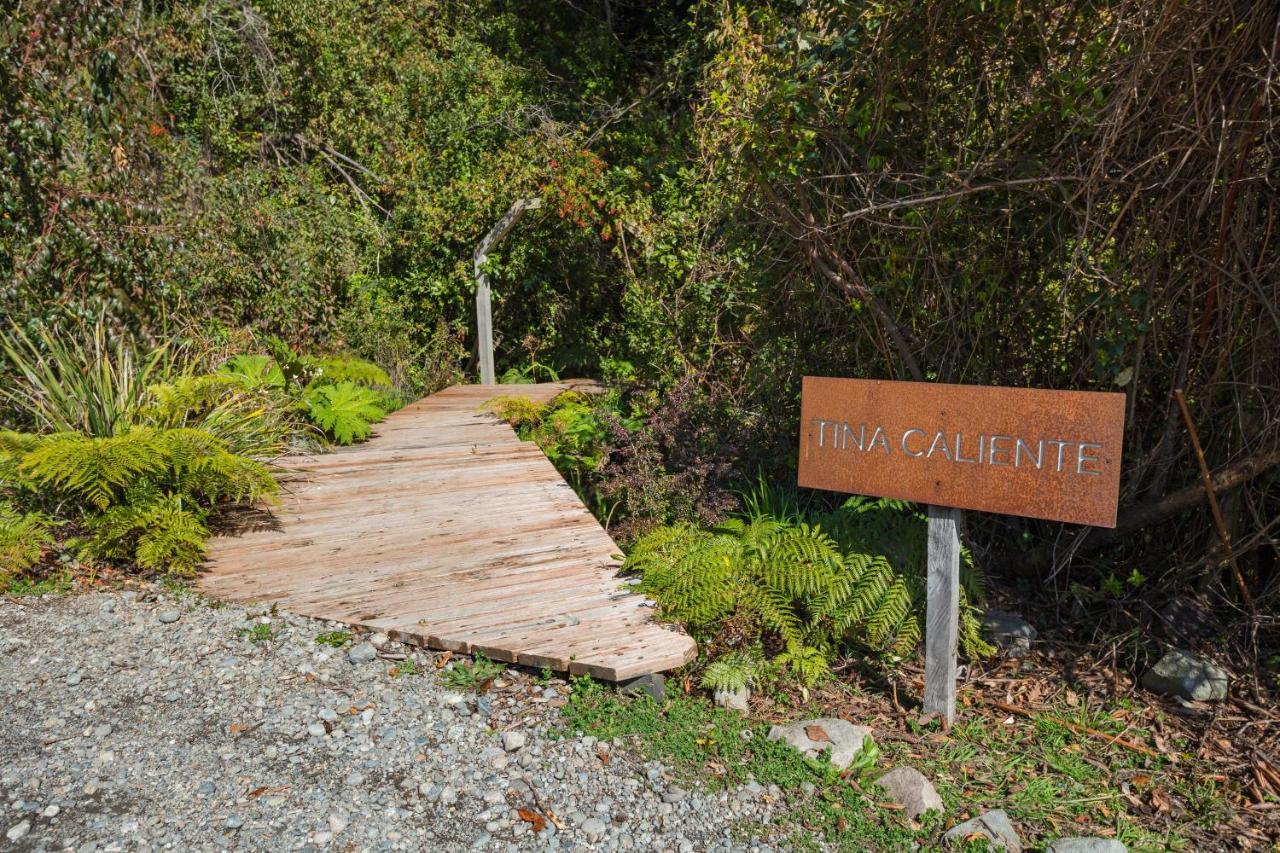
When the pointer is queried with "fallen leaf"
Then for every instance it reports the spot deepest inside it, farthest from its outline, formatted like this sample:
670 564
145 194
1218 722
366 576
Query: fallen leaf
1160 799
258 792
817 734
443 659
536 821
603 755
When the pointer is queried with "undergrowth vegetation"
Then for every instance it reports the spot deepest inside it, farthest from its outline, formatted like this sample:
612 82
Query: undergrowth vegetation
1055 778
808 586
129 455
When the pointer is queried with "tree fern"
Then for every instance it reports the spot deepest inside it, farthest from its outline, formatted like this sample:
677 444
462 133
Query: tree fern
345 411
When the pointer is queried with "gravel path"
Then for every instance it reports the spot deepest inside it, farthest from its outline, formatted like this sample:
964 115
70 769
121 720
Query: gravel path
137 720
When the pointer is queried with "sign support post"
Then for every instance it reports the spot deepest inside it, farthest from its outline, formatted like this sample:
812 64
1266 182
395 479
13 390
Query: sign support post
942 616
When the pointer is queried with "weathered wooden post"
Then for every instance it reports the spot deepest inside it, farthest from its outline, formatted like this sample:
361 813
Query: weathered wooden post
1021 451
942 613
484 305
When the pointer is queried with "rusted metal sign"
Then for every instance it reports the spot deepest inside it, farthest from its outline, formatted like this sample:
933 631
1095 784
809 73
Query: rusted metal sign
1019 451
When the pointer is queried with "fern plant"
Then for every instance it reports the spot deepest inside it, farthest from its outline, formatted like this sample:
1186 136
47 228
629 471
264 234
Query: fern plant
143 495
792 580
345 411
734 672
184 461
158 530
900 531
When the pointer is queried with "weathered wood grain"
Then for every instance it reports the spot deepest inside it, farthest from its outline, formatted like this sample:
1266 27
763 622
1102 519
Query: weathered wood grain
942 628
447 531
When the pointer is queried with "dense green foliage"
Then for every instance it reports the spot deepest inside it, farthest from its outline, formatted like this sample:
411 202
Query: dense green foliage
736 194
134 453
815 586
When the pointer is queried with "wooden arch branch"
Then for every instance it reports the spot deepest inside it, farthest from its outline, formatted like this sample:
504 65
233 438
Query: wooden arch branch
484 301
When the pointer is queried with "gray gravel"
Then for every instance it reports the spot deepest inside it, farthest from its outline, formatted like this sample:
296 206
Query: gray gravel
127 729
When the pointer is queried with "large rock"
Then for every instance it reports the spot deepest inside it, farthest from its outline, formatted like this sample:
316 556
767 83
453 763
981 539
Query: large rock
811 737
1086 845
993 825
1187 674
1010 632
911 789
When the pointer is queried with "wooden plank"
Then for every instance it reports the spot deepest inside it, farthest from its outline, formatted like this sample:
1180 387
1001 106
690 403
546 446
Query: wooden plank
942 614
398 534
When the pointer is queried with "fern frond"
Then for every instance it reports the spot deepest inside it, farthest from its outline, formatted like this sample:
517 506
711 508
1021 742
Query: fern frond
23 537
336 369
94 469
732 672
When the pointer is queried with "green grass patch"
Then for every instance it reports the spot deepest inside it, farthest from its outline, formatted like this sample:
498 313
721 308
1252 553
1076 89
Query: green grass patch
697 741
18 586
1052 780
260 633
334 639
1055 781
473 675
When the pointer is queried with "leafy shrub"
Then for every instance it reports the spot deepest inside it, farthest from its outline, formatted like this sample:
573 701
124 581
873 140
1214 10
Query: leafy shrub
254 370
345 411
575 431
342 395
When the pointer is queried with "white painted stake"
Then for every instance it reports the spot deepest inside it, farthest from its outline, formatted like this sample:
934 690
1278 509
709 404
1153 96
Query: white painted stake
484 307
943 614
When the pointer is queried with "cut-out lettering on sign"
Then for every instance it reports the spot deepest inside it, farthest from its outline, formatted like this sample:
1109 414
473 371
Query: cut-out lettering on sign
1019 451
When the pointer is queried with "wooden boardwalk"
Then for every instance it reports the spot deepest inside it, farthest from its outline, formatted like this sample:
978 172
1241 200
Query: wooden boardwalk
446 530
